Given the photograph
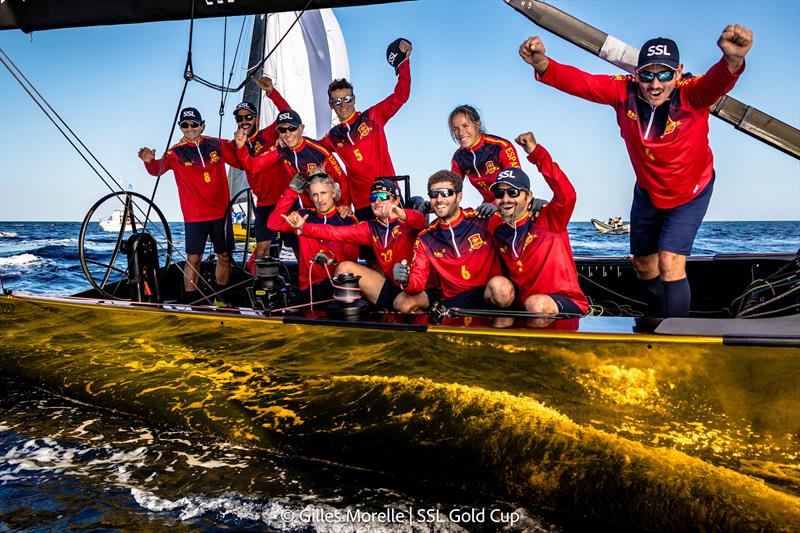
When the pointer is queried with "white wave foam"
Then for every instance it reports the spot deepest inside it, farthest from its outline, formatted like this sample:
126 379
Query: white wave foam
8 235
25 260
193 460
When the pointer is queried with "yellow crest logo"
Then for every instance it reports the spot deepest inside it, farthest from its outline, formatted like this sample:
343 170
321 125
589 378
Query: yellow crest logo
490 167
671 126
310 167
363 130
475 242
396 231
258 147
214 157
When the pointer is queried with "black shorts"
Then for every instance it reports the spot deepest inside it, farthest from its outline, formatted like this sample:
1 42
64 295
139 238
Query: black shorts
566 305
365 252
471 299
197 232
263 233
673 230
388 293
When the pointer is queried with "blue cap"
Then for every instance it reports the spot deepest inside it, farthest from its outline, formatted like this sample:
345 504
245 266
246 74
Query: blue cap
247 106
190 113
385 185
515 177
289 118
659 51
393 54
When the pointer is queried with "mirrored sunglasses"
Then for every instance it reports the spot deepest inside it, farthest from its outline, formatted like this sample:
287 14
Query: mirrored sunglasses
344 100
242 118
445 193
646 76
380 196
511 192
287 129
188 125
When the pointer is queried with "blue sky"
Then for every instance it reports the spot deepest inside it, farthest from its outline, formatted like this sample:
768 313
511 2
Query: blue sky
118 86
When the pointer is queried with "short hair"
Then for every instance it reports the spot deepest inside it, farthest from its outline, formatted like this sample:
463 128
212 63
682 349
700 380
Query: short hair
340 83
468 111
325 179
448 176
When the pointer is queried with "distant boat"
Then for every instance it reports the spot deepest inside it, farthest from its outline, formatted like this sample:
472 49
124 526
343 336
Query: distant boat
613 226
114 222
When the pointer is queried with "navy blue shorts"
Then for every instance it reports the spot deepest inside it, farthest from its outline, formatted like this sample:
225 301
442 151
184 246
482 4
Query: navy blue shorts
263 233
197 232
388 293
673 230
566 305
471 299
365 252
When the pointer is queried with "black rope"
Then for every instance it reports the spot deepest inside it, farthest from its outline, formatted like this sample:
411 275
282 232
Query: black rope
233 64
222 75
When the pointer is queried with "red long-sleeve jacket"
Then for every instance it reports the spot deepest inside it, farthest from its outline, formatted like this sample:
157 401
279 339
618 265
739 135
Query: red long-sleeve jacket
537 255
391 242
672 163
361 140
200 175
270 181
483 161
304 158
309 246
462 253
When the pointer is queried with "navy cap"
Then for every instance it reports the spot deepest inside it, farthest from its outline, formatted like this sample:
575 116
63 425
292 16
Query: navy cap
190 113
514 177
289 118
659 51
385 185
393 54
247 106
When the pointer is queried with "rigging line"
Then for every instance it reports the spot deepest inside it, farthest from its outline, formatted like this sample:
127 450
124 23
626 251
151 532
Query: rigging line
235 60
50 118
251 70
54 112
782 295
222 75
609 290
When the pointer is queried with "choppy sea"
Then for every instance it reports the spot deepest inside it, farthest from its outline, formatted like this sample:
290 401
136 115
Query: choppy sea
68 466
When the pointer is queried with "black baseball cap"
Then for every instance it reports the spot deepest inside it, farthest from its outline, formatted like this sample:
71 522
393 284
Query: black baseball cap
385 185
248 106
190 113
659 51
289 118
393 54
515 177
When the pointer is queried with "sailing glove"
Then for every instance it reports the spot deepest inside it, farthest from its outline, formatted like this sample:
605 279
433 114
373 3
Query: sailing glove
485 210
400 273
420 204
299 183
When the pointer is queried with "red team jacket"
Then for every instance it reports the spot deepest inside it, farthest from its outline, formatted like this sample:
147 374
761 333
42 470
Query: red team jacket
305 158
361 141
392 243
538 255
462 253
200 175
268 183
482 162
309 246
675 164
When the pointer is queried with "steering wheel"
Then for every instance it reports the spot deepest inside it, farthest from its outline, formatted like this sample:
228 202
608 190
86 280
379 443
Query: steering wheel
251 207
130 221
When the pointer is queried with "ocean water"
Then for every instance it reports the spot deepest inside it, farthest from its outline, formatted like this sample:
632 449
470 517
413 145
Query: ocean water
66 465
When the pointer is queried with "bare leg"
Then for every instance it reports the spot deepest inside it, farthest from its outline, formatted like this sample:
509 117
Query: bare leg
262 249
411 303
191 272
540 303
223 270
499 291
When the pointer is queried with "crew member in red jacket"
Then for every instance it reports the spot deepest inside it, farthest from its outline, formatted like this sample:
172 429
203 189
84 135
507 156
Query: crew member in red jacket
391 234
537 254
268 183
459 247
359 138
317 258
481 155
663 120
198 163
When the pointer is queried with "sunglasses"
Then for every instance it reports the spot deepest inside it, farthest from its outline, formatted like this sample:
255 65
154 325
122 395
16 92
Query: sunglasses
444 193
511 192
242 118
339 101
189 125
287 129
380 196
645 76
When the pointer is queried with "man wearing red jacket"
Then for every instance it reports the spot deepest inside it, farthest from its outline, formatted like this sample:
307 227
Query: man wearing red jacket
316 257
391 234
198 163
537 254
663 120
459 247
359 138
268 183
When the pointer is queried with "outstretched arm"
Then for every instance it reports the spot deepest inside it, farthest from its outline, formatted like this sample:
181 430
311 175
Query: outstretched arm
533 53
735 42
387 108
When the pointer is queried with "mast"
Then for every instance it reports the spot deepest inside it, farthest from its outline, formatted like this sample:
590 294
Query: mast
743 117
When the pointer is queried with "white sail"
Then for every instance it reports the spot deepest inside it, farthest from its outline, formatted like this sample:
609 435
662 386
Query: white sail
311 55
